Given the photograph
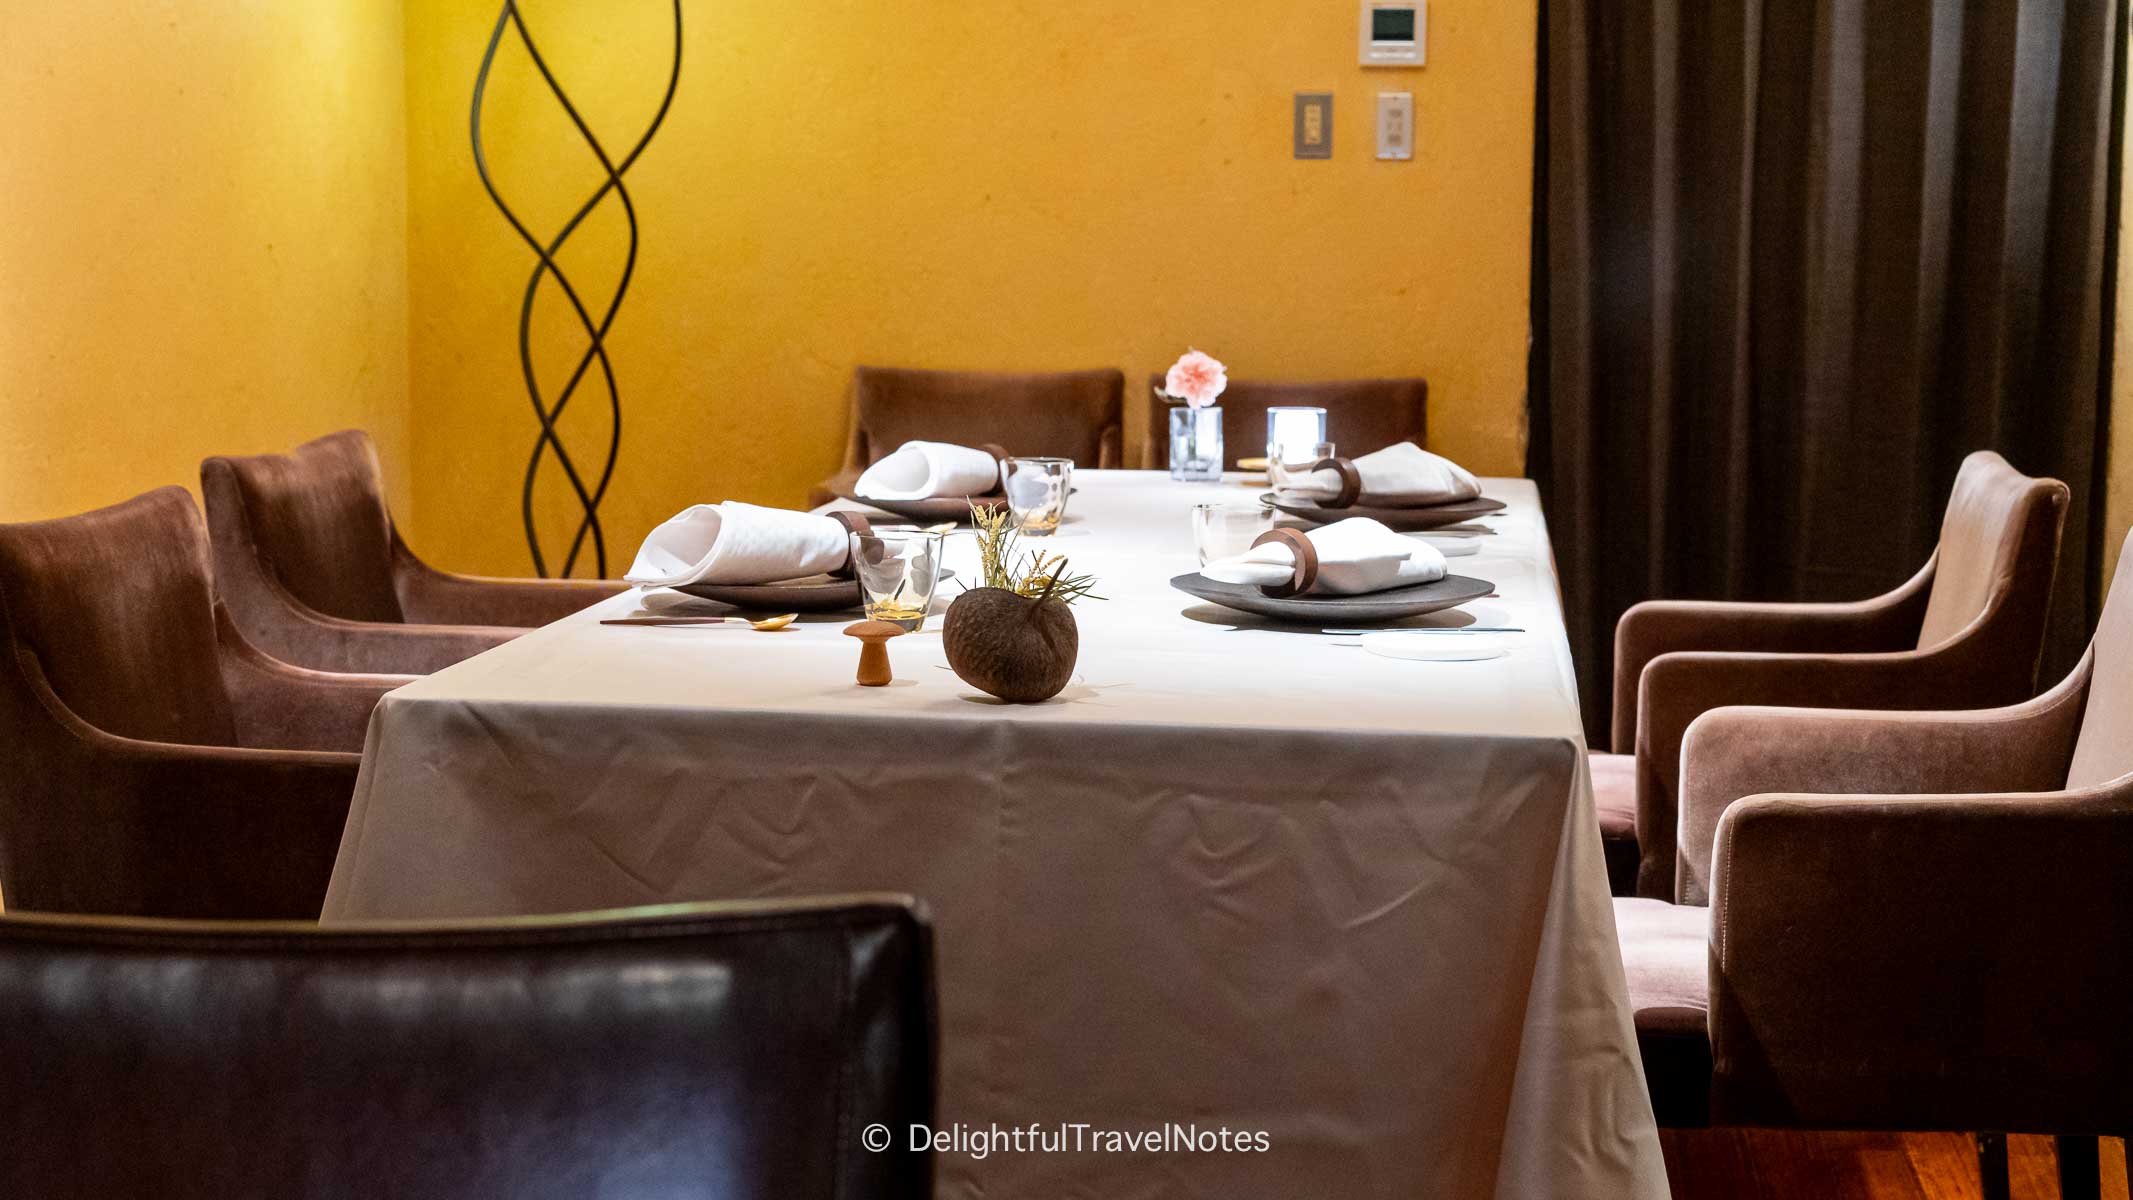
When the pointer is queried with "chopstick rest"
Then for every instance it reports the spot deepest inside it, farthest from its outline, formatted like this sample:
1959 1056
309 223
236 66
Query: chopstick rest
1305 572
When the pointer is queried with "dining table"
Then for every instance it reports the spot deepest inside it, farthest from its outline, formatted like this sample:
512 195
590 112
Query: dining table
1240 875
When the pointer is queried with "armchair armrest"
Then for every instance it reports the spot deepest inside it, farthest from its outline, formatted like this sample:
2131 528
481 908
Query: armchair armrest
304 636
1884 623
157 829
429 596
282 707
1925 962
382 647
1729 753
1679 687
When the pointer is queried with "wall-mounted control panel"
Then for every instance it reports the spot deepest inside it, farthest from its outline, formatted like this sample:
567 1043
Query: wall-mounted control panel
1396 126
1393 33
1314 124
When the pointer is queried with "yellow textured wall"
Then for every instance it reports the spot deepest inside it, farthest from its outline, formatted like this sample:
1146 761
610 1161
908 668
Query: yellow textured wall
202 239
986 184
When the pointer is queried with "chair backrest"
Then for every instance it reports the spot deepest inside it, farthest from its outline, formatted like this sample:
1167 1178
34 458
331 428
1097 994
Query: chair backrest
315 517
2104 750
720 1050
1070 414
1999 543
1362 415
118 606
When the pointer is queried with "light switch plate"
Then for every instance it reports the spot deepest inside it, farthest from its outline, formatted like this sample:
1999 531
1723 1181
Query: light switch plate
1314 124
1396 126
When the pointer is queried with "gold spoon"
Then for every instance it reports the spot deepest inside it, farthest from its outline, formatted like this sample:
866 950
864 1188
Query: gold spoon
766 625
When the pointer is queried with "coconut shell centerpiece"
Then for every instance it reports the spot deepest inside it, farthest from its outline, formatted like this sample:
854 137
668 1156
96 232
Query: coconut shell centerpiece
1015 637
1003 643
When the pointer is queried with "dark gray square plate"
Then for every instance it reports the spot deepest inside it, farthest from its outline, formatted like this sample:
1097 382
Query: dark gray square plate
805 595
1448 592
937 509
1404 520
816 595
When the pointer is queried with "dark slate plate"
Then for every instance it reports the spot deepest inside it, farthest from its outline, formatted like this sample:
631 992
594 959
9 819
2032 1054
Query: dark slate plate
821 595
933 511
1448 592
936 510
1405 520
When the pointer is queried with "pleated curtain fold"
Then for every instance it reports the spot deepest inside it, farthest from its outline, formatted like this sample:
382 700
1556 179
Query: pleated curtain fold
1794 260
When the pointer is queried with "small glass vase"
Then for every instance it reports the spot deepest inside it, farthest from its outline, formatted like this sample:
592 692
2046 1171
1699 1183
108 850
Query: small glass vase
1196 444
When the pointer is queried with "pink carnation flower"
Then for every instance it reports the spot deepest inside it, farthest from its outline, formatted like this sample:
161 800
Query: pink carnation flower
1196 378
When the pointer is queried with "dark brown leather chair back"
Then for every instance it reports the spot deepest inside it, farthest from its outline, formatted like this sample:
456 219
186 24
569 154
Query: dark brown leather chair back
1999 548
117 607
1070 414
1362 415
2104 751
721 1050
314 517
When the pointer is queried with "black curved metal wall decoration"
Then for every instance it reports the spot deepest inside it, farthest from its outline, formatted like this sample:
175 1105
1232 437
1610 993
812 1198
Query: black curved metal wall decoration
548 414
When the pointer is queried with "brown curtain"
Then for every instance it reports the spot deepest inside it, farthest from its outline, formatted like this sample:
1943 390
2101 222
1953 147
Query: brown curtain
1793 260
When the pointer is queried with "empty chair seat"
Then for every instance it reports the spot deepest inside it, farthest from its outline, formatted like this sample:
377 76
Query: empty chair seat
725 1051
1063 414
153 763
1964 632
1917 920
313 569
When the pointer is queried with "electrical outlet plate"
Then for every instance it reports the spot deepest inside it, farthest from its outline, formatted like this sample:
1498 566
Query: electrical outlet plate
1314 125
1396 126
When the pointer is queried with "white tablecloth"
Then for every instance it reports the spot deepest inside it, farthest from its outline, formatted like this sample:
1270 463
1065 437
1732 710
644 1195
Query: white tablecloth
1236 876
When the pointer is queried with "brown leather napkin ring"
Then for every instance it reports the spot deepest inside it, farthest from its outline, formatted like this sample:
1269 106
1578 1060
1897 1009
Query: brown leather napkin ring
853 523
1306 570
1351 481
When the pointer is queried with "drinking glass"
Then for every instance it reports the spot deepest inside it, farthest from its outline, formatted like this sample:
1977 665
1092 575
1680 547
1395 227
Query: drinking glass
1287 470
1223 529
1037 493
1291 430
896 573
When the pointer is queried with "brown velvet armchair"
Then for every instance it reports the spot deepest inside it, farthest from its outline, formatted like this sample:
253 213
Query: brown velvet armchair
314 572
732 1051
155 763
1068 414
1917 921
1362 415
1964 632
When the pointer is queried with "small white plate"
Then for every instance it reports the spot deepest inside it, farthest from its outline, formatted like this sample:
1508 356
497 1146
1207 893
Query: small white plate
1422 646
1451 547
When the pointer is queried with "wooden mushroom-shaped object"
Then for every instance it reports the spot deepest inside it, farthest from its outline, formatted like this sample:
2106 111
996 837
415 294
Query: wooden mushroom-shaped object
873 650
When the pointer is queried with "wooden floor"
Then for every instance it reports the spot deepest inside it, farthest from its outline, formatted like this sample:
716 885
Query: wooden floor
1765 1164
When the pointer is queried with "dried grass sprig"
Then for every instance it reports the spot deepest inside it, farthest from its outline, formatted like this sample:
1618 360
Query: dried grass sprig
1040 573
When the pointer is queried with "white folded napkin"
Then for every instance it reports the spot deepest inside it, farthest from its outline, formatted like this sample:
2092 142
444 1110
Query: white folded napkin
1402 475
738 543
924 470
1355 556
